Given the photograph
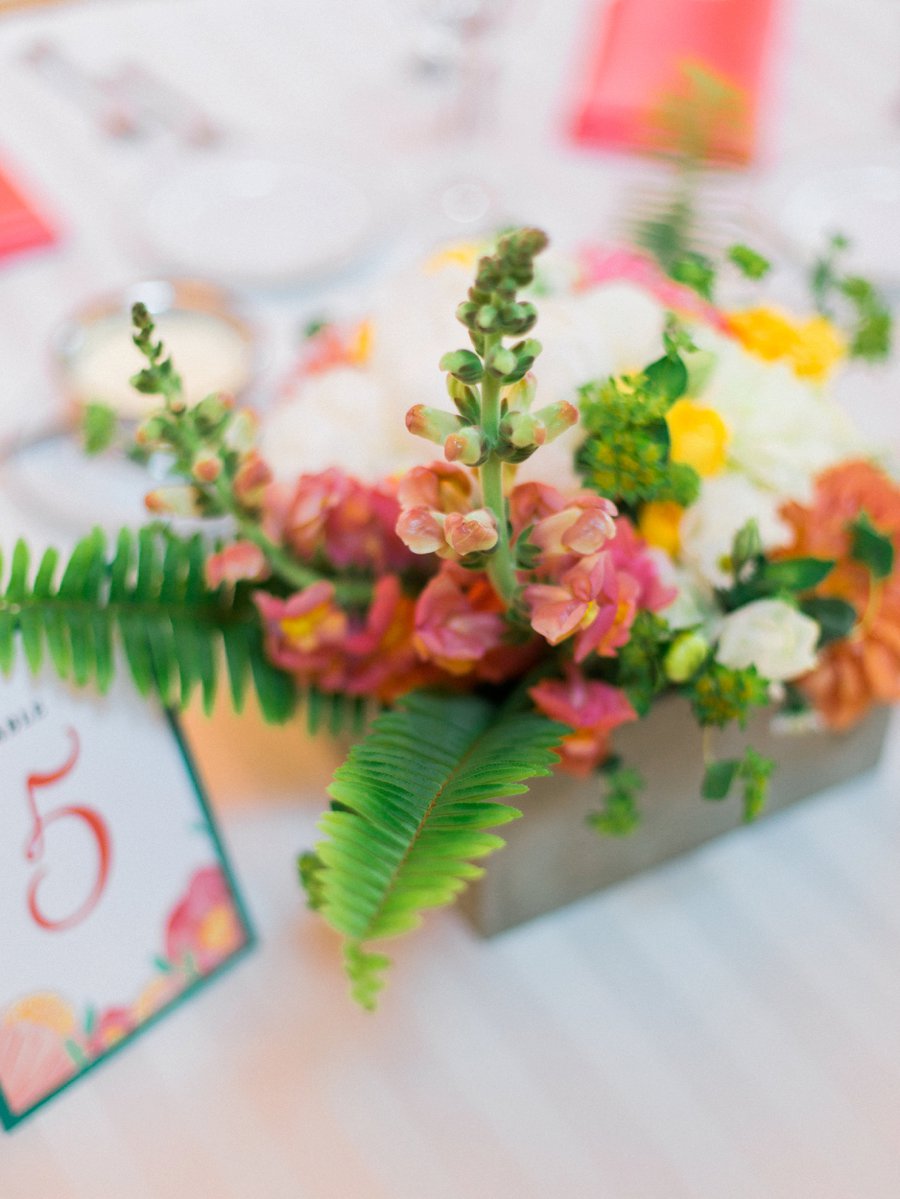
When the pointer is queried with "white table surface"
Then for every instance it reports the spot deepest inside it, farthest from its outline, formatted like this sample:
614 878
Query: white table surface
725 1028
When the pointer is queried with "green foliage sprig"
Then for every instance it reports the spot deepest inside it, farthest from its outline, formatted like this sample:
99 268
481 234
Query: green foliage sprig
753 770
869 324
411 810
147 597
626 451
619 816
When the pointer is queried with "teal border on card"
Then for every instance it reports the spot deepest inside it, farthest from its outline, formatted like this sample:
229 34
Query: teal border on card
10 1120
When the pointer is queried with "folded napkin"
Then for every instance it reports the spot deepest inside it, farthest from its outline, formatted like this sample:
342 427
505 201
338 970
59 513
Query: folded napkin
651 53
22 227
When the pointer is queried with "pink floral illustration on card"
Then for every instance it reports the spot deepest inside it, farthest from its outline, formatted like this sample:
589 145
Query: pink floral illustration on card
44 1042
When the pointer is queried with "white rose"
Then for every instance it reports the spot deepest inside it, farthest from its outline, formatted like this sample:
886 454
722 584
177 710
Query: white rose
771 635
725 505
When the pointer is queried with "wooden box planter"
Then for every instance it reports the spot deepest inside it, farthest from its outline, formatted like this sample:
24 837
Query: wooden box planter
553 857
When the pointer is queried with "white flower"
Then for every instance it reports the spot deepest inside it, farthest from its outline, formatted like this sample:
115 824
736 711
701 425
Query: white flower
725 505
340 417
783 431
771 635
694 605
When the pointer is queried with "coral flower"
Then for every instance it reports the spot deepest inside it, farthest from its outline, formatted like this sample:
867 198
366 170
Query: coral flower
459 620
864 668
592 709
240 560
294 514
380 658
302 630
559 524
560 609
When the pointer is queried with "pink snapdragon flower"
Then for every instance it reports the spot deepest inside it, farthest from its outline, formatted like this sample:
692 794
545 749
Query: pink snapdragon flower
303 632
379 657
592 709
561 526
368 654
558 610
459 620
330 513
294 514
632 555
236 562
440 513
251 481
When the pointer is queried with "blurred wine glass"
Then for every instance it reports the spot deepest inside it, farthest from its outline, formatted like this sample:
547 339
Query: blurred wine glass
455 62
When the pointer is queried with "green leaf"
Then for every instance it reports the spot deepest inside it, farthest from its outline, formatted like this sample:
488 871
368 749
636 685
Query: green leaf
873 549
309 868
718 778
794 574
619 816
749 262
411 811
151 599
835 617
668 375
747 546
696 272
98 427
755 771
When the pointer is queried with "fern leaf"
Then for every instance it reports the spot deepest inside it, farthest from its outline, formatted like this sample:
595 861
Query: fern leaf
150 598
411 811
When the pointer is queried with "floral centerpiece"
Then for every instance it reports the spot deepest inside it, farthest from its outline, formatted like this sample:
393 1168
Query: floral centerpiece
682 507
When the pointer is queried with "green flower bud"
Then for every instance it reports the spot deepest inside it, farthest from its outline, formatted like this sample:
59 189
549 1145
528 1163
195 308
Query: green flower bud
467 313
686 655
431 423
518 395
211 411
556 418
523 430
463 365
150 432
465 399
467 445
500 361
487 318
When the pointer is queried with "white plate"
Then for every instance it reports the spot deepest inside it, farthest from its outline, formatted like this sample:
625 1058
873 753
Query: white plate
257 221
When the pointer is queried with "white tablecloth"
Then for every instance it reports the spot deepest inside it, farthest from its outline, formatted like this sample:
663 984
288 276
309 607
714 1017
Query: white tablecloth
725 1028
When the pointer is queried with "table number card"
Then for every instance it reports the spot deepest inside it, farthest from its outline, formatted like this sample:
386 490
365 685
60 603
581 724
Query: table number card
116 899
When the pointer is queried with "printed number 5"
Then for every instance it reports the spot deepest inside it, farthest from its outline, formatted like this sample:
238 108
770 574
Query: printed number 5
34 849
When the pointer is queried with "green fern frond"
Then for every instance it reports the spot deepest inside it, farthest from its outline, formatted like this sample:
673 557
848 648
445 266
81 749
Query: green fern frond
149 599
412 806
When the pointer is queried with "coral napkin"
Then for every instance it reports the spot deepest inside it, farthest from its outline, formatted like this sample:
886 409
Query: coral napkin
646 51
22 227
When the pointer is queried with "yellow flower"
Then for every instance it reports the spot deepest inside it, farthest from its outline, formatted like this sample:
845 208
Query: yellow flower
660 525
699 437
820 348
359 349
461 253
812 347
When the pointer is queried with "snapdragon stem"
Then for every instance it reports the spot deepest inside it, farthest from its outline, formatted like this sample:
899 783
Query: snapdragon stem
501 567
351 591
